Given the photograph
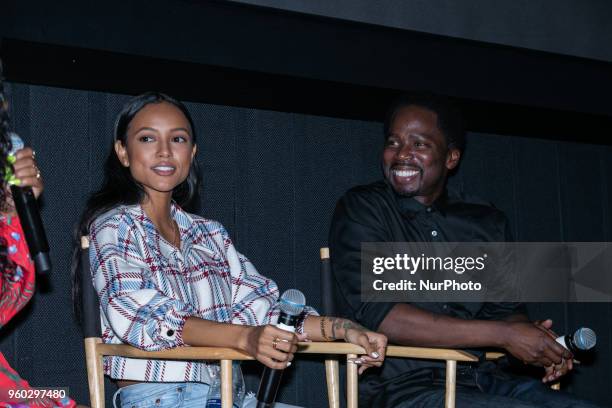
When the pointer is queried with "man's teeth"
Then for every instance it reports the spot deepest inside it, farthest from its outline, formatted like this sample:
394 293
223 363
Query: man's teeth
164 168
405 173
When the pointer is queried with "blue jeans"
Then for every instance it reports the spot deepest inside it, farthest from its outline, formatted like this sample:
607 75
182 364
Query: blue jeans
173 395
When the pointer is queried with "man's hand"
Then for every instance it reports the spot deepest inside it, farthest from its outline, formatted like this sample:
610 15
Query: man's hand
556 371
534 343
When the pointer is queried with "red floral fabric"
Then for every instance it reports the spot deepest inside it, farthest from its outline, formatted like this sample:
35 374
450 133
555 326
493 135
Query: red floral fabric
16 289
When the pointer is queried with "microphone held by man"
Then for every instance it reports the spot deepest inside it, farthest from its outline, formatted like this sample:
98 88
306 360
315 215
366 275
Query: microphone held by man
579 341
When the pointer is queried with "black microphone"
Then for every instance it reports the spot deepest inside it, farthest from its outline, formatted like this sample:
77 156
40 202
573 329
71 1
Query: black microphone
29 215
291 304
581 340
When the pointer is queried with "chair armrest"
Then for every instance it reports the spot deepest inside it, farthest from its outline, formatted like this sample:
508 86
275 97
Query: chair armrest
179 353
224 353
494 355
392 351
430 353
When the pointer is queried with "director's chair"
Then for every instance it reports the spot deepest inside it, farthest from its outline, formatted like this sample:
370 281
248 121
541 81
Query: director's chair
95 350
450 356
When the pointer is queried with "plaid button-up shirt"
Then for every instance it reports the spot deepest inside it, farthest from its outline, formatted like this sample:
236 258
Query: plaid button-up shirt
148 288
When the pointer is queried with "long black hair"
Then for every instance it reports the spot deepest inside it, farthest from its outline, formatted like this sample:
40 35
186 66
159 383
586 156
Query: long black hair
5 147
120 188
5 141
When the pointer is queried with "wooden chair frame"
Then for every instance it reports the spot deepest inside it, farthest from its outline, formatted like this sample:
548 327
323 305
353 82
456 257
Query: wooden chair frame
450 356
95 350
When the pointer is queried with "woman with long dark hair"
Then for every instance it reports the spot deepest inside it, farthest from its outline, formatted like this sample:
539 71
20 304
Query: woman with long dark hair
17 270
167 278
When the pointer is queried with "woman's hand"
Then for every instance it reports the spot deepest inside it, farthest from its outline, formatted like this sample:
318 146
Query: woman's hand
325 328
271 346
28 174
374 344
26 170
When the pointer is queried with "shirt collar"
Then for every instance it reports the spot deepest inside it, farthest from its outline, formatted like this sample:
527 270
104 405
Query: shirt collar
410 206
184 221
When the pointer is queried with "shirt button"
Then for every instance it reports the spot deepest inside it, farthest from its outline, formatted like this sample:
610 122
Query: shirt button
445 307
434 233
429 209
170 333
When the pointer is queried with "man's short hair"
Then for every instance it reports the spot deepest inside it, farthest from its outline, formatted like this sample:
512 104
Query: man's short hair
450 119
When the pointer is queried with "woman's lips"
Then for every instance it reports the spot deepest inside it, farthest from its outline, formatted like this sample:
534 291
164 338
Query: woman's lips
164 170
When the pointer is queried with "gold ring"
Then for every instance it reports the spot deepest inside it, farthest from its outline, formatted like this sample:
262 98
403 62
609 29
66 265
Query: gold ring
275 343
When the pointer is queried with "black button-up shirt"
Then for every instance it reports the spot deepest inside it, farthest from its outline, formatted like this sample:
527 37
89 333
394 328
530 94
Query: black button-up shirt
374 213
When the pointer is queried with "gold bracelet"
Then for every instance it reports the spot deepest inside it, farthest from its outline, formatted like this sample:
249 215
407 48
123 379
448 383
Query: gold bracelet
322 322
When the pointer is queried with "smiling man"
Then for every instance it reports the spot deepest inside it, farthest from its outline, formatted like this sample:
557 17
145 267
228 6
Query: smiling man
424 139
417 156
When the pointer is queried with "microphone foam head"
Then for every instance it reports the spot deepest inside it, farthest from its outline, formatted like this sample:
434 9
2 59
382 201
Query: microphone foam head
292 302
585 338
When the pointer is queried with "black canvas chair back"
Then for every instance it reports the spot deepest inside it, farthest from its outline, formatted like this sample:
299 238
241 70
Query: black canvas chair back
327 285
90 307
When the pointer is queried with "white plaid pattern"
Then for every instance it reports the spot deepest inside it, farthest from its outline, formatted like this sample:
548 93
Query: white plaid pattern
148 288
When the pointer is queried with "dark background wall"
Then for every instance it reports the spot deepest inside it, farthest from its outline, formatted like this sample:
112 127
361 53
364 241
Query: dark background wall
579 28
273 178
269 41
288 107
